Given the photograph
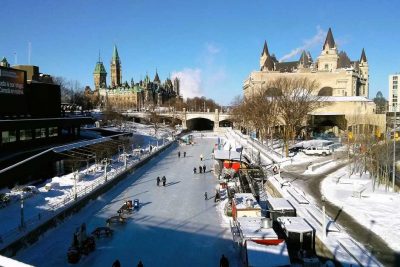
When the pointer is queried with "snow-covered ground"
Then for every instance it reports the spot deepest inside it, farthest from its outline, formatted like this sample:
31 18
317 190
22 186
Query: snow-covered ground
377 209
175 226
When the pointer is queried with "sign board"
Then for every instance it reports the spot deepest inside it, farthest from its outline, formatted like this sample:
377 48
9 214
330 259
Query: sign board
12 81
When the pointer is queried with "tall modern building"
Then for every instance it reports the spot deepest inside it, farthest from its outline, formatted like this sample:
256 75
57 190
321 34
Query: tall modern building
394 92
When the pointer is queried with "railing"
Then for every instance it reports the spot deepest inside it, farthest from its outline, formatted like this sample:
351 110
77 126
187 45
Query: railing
50 212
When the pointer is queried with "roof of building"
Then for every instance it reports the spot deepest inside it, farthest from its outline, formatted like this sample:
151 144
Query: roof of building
267 255
4 60
344 61
99 69
305 58
157 78
280 204
115 55
329 40
363 56
295 224
265 49
246 201
286 66
252 228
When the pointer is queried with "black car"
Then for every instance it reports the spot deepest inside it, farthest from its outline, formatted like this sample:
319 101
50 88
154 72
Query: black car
296 149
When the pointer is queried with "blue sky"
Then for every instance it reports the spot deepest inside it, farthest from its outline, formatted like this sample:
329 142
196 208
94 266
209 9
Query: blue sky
215 44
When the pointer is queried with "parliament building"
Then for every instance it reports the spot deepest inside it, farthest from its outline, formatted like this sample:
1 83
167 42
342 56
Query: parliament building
145 94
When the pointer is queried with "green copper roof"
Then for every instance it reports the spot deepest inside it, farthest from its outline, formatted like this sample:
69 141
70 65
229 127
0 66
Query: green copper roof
4 60
115 55
99 69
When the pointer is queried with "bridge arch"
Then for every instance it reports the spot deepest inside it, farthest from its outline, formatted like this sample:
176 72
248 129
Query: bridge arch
225 123
326 91
200 124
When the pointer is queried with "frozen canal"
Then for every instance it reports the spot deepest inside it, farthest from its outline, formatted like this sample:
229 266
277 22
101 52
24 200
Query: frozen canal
174 227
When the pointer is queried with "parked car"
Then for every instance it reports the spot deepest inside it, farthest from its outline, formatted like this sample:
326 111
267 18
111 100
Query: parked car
319 151
295 149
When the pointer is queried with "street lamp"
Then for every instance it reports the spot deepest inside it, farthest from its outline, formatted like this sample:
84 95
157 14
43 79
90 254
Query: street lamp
75 193
323 217
394 146
22 211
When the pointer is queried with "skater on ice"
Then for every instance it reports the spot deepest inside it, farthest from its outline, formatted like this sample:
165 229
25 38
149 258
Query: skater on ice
200 169
201 157
205 196
158 180
164 180
184 154
179 154
194 170
204 168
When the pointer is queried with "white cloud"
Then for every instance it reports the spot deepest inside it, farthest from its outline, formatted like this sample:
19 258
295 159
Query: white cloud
212 48
190 82
318 38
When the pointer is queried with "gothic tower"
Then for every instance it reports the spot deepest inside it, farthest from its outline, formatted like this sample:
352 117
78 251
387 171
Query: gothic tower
100 75
116 75
328 60
363 65
176 86
266 62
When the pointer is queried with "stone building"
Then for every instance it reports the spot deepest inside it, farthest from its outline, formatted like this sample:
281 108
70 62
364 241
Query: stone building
145 94
344 83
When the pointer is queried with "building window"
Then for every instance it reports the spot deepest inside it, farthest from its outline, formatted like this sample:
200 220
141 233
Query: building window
394 87
25 134
53 131
40 133
8 136
394 78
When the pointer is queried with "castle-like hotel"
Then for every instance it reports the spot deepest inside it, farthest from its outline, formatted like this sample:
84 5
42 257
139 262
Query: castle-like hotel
343 83
336 74
123 96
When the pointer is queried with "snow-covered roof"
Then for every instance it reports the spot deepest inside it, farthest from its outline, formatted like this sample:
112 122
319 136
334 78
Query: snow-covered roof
225 155
280 204
243 200
252 228
259 255
295 224
345 99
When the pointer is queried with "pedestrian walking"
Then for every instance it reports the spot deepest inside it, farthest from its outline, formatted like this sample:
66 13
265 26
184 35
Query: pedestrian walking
116 264
205 196
164 180
200 169
140 264
223 262
204 168
201 157
158 180
179 154
194 170
216 196
184 154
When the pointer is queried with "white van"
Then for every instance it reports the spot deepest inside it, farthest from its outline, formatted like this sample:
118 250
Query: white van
319 151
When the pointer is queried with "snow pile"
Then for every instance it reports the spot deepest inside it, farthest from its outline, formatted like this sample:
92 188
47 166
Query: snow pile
376 210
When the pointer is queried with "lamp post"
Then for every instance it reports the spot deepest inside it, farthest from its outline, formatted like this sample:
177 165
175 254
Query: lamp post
394 146
22 211
323 217
75 193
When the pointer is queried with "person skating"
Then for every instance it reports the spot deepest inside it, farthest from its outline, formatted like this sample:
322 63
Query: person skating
179 154
158 180
223 262
140 264
164 180
200 169
205 196
116 264
204 168
201 157
216 196
184 154
194 170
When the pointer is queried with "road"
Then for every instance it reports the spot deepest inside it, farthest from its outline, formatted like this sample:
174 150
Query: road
175 226
311 185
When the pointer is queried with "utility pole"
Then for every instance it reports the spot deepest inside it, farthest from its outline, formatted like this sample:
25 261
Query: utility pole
394 147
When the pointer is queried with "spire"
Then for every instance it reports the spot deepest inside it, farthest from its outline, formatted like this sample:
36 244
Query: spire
156 78
363 56
265 49
99 56
115 55
329 40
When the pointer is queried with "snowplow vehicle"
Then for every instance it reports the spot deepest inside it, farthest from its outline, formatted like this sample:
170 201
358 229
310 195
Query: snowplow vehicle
81 244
